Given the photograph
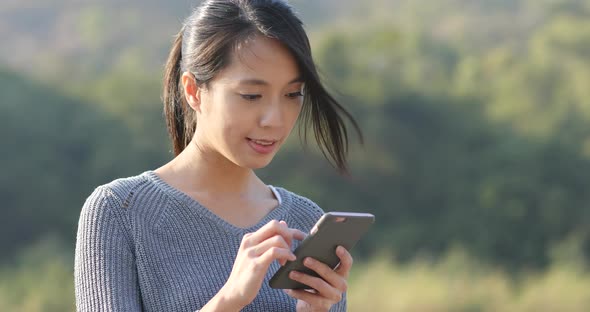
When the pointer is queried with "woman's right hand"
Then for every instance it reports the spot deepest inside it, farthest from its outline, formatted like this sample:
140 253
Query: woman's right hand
257 251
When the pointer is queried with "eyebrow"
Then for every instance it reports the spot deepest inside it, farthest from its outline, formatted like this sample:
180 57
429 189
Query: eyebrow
259 82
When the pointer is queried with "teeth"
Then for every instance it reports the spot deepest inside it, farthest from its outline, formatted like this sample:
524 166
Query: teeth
262 142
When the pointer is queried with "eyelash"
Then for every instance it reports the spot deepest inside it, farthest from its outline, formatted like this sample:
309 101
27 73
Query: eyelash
253 97
250 97
294 95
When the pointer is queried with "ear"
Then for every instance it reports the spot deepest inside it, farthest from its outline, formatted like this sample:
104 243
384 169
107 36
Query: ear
192 91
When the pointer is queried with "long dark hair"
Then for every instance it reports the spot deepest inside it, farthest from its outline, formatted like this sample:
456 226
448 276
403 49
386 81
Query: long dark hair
203 47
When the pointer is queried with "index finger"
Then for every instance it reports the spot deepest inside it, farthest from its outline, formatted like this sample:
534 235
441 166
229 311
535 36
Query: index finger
269 230
297 234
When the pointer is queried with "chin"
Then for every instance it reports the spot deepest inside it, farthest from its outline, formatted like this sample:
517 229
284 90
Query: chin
258 165
255 163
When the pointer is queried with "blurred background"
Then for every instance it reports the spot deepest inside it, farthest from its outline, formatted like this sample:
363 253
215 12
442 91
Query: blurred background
476 164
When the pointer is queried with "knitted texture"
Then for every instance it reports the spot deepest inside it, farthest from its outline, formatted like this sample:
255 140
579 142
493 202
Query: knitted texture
143 245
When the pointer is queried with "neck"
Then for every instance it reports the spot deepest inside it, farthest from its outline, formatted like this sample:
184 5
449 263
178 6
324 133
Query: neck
212 173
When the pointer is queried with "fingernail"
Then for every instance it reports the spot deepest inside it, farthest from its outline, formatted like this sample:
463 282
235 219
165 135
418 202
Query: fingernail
308 261
292 257
340 250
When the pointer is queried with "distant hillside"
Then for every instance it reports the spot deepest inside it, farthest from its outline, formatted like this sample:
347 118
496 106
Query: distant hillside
90 36
45 35
56 149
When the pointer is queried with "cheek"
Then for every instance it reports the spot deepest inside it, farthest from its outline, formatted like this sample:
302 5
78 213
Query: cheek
230 121
215 119
293 113
229 129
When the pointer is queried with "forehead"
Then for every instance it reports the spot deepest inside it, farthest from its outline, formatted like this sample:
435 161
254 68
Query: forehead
261 58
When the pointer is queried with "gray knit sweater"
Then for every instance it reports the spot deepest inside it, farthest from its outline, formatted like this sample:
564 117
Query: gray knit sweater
143 245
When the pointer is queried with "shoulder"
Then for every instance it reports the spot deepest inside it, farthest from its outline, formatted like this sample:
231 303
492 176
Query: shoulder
104 222
123 198
115 192
123 189
302 211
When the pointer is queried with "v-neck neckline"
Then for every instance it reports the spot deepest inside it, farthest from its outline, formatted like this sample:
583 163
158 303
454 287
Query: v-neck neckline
276 213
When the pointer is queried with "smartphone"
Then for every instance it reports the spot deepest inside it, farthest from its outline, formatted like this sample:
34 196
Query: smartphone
333 229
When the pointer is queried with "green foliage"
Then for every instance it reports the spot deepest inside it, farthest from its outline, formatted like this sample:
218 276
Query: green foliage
57 149
40 279
457 282
492 157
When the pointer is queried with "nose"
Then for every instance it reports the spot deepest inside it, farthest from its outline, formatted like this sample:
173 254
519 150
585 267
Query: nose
272 115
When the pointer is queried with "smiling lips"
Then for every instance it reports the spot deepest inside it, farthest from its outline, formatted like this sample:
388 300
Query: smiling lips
262 146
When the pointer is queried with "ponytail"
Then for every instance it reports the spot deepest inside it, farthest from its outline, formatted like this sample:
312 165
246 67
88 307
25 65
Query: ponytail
180 119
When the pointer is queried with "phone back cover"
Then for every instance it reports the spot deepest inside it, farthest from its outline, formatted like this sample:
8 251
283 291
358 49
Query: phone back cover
321 245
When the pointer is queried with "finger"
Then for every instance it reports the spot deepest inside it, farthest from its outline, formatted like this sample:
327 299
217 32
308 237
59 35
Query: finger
282 262
296 234
275 253
270 229
321 286
333 278
345 261
314 300
274 241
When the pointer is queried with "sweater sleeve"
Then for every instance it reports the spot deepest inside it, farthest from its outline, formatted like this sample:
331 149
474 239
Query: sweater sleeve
340 306
105 272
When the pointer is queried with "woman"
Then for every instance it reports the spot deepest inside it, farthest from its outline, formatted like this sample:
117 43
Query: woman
203 232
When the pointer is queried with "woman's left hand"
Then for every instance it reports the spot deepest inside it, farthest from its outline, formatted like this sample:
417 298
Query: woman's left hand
328 289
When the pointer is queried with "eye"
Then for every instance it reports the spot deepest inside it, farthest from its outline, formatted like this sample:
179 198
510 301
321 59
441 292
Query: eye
293 95
250 97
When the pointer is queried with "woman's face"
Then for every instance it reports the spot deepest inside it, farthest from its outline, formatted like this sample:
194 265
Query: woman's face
249 108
